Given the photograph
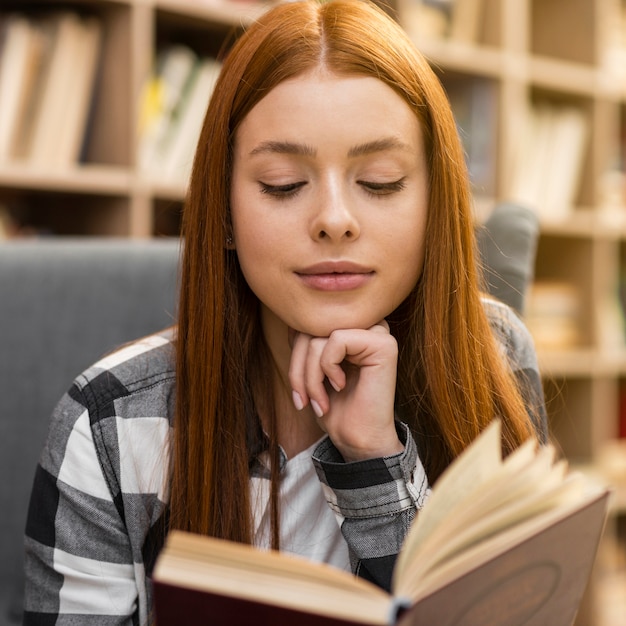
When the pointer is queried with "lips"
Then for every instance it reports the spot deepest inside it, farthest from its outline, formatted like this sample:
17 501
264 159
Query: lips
335 276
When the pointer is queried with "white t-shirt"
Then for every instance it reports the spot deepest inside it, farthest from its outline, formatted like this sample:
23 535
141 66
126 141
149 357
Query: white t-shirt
308 527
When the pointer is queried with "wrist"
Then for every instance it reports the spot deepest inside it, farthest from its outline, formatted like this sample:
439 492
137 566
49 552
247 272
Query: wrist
352 454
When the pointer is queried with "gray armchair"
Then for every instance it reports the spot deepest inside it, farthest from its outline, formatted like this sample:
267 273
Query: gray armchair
507 244
63 304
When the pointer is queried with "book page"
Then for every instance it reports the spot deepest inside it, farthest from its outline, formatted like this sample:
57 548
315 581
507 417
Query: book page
498 544
525 475
478 463
487 531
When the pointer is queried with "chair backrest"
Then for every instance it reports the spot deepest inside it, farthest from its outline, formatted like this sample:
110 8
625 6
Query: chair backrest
507 244
63 304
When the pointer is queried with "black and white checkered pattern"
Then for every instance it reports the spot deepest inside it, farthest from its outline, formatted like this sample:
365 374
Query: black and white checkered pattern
100 488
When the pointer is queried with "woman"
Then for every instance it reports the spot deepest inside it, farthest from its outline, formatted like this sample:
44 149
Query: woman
332 353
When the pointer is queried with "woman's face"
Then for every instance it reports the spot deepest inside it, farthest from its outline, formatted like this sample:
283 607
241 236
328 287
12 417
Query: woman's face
329 200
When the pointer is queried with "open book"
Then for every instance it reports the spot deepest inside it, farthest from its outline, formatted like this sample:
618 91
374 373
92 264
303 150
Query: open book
498 543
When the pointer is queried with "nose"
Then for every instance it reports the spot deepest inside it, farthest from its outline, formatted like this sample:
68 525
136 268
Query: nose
334 217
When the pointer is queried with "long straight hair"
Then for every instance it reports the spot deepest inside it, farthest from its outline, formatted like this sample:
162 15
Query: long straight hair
452 379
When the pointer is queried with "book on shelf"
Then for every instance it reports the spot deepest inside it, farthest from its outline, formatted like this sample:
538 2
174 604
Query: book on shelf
66 91
425 19
58 60
24 117
6 224
459 20
474 102
503 542
183 135
612 28
76 113
175 102
466 18
553 314
21 50
620 294
161 95
548 166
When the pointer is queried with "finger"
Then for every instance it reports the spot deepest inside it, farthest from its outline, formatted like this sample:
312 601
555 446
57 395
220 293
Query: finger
291 336
297 367
359 347
314 376
380 327
331 358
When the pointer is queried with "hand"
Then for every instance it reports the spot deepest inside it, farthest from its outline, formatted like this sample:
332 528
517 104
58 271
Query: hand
349 379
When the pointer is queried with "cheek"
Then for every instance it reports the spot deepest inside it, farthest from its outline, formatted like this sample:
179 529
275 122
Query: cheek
253 256
408 257
417 247
407 235
260 252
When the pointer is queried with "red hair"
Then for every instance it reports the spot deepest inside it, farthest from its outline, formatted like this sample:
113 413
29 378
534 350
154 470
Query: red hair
451 377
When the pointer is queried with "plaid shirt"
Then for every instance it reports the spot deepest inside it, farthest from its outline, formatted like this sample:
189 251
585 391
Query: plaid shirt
100 487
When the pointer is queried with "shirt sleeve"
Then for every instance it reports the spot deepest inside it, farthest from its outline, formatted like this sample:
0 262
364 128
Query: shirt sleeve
375 502
78 562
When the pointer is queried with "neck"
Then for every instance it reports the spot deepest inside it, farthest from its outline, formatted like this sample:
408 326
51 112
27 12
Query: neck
297 430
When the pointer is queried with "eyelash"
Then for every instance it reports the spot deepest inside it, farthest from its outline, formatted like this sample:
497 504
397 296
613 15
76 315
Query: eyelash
383 189
290 190
282 191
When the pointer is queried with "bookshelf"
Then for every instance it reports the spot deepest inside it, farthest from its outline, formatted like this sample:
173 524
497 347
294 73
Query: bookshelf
522 55
106 193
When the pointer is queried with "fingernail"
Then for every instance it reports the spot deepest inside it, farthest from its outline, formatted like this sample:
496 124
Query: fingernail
297 400
334 385
317 408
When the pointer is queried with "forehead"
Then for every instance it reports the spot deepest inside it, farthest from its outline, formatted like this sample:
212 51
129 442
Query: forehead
321 105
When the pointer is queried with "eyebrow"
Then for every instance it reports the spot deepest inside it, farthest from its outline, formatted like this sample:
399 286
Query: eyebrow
378 145
299 149
283 147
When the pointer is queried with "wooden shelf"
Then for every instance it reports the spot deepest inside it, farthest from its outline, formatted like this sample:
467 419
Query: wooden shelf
164 191
565 77
584 363
574 363
223 12
462 57
93 179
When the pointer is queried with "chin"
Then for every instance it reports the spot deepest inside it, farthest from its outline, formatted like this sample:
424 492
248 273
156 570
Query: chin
324 327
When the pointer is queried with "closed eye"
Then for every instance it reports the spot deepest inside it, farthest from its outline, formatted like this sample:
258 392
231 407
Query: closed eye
382 189
282 191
